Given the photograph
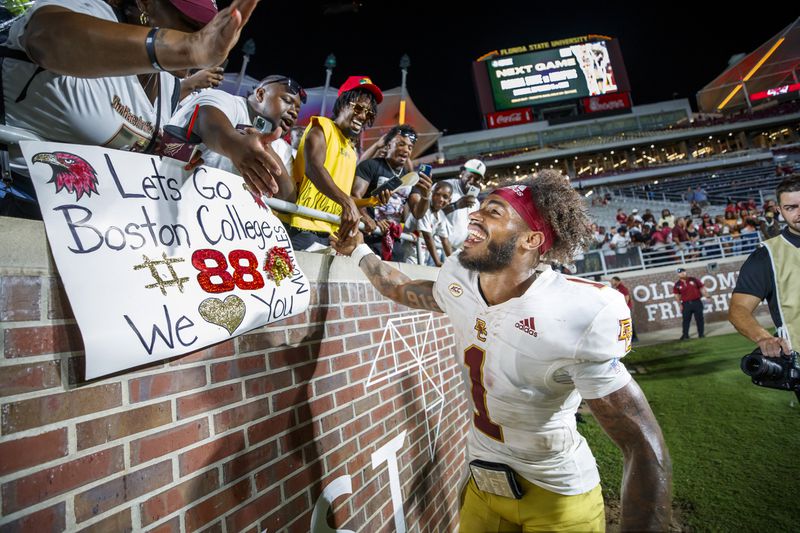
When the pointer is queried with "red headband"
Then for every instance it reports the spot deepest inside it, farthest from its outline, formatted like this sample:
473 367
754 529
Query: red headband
521 199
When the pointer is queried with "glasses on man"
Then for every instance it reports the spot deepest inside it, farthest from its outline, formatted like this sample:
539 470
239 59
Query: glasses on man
294 87
358 109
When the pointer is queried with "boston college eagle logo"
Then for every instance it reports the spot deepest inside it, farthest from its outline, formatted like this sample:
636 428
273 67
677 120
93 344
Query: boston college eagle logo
70 172
480 328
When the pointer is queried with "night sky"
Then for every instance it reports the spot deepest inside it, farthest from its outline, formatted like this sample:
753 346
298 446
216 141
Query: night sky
671 53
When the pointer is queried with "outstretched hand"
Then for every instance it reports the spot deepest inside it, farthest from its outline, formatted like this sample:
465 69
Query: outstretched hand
257 161
346 245
211 45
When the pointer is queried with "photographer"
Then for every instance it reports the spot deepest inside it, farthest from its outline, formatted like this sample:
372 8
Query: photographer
767 274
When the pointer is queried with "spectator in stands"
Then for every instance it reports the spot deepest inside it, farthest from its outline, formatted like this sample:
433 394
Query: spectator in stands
463 203
326 162
620 243
636 217
695 210
667 217
769 225
373 173
618 285
258 157
433 223
749 235
680 237
81 72
700 196
609 254
622 218
689 293
648 216
710 232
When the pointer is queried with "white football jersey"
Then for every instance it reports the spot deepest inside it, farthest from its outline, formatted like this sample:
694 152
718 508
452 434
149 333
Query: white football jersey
526 364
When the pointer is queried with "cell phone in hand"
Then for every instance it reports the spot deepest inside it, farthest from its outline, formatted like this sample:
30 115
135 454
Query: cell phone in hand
425 169
473 191
260 124
390 185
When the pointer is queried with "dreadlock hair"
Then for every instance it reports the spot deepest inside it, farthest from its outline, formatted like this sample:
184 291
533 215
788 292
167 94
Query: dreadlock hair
403 129
790 183
352 96
562 207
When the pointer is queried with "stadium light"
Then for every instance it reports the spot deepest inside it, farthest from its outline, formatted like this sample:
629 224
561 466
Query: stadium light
330 64
405 62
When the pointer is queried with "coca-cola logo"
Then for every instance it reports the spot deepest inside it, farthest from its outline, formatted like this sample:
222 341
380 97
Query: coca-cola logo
508 119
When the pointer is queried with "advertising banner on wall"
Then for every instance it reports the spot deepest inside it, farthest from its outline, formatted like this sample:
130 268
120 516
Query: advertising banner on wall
157 261
655 306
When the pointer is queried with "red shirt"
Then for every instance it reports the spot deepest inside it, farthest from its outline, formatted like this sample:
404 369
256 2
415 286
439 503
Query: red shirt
626 293
689 289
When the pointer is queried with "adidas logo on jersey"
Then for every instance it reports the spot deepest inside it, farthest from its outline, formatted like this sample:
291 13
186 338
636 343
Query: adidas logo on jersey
527 326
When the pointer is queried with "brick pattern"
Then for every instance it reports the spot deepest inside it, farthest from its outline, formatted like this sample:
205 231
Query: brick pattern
241 436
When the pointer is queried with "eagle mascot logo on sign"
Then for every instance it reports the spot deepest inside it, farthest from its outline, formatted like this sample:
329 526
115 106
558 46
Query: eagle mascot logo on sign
70 172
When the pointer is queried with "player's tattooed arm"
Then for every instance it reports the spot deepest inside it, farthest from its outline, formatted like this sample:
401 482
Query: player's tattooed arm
627 418
397 286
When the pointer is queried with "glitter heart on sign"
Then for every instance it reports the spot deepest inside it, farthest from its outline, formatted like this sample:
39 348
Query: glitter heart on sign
228 314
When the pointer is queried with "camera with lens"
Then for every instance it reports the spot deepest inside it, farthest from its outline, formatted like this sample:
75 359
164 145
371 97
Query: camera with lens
774 372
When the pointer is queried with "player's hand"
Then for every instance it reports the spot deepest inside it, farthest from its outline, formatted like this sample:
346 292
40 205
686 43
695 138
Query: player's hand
210 46
466 201
350 218
772 346
346 245
424 184
258 163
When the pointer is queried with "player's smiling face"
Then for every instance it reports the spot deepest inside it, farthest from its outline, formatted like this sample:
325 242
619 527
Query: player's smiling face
492 236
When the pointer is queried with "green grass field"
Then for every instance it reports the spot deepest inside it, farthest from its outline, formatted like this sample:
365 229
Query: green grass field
734 445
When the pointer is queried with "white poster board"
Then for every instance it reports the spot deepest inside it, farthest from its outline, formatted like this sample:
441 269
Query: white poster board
158 261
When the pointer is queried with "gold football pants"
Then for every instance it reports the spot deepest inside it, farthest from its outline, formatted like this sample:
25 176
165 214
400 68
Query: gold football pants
538 510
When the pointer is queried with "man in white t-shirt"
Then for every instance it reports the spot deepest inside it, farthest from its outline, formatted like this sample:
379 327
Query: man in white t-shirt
463 203
532 343
620 243
244 151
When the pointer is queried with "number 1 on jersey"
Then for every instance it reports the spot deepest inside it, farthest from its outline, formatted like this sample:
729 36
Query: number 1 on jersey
474 358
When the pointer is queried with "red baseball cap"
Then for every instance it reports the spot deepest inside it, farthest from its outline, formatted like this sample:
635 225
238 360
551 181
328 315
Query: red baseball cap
361 82
200 10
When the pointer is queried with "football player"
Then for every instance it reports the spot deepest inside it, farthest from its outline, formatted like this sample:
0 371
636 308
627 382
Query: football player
532 343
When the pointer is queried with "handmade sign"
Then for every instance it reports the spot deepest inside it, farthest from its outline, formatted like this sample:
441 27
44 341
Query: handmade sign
157 261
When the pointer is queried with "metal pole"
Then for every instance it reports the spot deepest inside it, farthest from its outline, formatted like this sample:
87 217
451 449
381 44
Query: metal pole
240 79
323 109
330 64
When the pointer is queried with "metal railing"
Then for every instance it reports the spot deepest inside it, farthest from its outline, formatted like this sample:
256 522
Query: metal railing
607 261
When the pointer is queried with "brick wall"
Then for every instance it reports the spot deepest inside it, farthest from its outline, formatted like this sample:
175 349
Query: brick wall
241 436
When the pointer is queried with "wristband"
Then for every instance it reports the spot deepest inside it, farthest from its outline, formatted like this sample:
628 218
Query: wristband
360 252
150 46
